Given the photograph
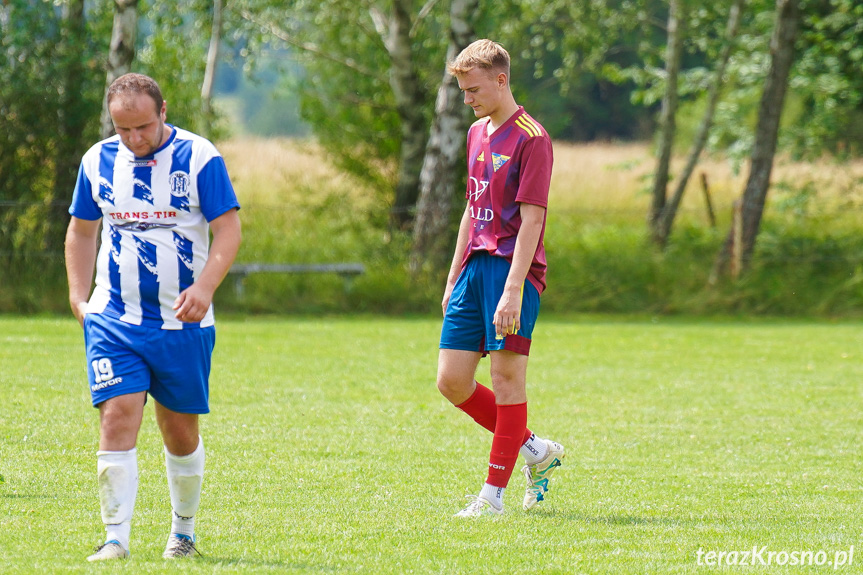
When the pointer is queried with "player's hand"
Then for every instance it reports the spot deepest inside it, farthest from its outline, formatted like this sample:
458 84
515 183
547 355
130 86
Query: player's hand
192 304
446 295
79 309
508 313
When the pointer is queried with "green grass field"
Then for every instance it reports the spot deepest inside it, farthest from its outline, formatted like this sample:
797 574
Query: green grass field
330 450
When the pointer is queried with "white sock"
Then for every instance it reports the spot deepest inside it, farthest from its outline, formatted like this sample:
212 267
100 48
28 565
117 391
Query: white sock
493 494
534 450
185 477
117 472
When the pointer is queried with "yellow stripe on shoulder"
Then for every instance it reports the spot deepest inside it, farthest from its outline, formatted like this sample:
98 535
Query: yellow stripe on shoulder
528 126
533 123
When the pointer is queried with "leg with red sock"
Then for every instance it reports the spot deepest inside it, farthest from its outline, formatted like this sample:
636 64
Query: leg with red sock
482 408
509 432
542 457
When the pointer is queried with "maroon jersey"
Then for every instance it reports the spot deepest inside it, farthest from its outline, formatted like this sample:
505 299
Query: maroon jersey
510 167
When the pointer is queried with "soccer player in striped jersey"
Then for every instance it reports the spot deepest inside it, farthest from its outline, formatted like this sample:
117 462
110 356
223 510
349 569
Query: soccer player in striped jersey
157 191
491 300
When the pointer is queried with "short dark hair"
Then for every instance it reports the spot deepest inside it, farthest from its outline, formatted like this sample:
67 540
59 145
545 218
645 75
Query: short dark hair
136 84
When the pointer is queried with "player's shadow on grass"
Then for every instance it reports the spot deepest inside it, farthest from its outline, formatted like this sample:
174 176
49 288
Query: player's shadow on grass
611 519
252 562
633 520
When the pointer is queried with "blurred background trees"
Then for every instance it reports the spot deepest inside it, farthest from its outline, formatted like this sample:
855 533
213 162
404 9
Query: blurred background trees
362 78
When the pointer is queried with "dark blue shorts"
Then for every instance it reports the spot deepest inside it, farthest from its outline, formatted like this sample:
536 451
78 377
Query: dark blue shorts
467 324
172 365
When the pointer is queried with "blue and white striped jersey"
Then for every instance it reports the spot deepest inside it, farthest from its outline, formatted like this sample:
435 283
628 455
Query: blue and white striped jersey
155 229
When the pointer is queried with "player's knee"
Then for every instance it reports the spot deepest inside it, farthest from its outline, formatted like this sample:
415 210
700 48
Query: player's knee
452 389
508 389
443 386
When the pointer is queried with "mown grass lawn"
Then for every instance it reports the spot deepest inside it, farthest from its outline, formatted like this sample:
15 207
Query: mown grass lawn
330 450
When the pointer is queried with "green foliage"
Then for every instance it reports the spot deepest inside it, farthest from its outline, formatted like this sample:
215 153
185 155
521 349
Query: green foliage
570 63
809 260
828 82
579 48
178 66
680 436
48 82
345 93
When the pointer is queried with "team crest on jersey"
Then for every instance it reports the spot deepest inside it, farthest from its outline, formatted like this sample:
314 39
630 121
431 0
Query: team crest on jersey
181 189
180 183
498 160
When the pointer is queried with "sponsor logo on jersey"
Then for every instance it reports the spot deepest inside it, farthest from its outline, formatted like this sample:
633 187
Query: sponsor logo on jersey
498 160
477 188
481 157
104 384
481 214
142 226
142 163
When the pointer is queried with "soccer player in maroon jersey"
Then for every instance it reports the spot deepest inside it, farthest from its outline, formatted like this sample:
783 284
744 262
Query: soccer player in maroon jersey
491 300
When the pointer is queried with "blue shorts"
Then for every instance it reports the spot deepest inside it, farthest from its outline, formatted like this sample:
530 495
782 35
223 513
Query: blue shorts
467 323
173 365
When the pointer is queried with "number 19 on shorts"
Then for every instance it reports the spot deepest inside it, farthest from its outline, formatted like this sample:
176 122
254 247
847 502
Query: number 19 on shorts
102 369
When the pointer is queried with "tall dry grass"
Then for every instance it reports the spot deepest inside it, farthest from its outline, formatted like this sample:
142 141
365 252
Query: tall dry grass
607 178
283 171
616 177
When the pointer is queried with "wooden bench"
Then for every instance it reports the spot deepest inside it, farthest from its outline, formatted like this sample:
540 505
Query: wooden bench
348 271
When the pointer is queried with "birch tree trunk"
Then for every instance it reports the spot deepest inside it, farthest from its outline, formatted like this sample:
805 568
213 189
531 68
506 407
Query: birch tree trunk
210 70
766 135
667 124
445 144
669 212
404 81
121 54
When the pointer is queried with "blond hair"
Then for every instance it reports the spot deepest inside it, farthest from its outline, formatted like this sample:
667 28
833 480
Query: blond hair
484 54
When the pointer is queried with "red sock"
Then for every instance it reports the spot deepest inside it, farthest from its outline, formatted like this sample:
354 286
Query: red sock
508 438
482 408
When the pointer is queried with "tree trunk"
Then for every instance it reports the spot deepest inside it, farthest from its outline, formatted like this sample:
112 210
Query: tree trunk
4 18
669 212
122 52
210 70
71 114
766 133
667 126
406 86
440 165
